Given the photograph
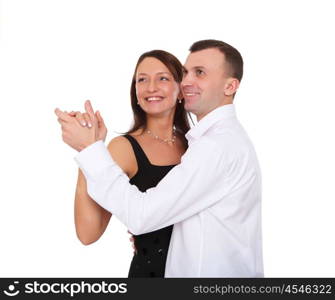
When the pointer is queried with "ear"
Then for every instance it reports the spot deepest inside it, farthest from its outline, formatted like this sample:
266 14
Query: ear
231 86
180 95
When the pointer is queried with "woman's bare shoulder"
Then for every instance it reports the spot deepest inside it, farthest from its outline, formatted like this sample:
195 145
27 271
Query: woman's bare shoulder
123 154
119 142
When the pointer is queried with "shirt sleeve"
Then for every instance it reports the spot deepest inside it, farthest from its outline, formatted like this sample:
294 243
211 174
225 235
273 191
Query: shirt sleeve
192 186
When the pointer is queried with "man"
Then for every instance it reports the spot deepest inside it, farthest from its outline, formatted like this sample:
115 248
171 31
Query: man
213 197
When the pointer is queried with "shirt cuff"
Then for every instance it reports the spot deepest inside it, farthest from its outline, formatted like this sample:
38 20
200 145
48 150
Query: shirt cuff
88 162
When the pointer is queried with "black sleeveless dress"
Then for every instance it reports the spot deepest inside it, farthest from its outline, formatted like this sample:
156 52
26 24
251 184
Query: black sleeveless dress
152 247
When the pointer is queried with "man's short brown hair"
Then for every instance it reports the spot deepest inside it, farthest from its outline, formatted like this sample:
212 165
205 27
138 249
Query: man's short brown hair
233 57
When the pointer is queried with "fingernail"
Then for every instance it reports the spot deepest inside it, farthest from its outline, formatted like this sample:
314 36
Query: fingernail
89 125
83 123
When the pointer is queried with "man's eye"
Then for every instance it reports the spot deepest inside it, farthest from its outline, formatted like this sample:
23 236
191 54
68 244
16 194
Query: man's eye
199 72
164 78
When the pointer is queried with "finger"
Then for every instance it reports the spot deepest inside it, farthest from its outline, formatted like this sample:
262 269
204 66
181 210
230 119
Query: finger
98 115
62 115
73 113
80 118
60 121
100 119
87 119
89 109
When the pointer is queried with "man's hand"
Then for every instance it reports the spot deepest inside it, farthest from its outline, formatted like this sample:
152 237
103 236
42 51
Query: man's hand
132 240
85 120
74 134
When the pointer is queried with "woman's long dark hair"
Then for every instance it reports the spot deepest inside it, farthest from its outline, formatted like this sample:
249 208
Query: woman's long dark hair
180 120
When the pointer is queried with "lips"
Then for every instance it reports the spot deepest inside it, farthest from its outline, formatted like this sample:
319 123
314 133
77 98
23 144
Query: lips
190 92
154 98
190 95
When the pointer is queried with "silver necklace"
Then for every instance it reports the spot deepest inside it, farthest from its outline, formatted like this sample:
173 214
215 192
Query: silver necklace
156 137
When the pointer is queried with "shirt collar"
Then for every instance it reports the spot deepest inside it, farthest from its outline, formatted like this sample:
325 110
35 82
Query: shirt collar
218 114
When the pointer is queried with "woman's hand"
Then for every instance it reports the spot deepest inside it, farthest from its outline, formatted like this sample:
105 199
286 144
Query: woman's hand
77 136
85 120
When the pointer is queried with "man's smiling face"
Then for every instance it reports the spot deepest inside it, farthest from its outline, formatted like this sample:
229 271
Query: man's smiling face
205 81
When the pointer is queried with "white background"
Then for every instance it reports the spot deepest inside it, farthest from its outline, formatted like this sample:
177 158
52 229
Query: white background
60 53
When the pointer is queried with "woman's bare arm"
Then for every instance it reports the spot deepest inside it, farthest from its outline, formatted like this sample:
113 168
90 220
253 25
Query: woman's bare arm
91 220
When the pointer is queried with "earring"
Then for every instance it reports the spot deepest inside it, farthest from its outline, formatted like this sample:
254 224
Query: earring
179 101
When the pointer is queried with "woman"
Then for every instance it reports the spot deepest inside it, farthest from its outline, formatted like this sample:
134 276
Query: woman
146 153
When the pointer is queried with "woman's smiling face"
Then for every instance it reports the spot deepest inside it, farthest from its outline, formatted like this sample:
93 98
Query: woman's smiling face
156 89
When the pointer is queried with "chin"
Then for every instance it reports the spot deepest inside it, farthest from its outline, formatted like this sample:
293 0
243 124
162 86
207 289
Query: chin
157 112
189 107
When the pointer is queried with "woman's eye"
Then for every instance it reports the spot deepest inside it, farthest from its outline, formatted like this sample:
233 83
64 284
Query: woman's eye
164 78
140 79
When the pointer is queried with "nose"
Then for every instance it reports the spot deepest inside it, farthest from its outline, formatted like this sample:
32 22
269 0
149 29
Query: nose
186 81
152 86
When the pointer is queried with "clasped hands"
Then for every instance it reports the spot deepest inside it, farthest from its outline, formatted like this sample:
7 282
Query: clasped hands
79 130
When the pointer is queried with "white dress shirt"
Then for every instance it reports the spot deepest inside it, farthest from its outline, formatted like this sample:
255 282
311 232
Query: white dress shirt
213 198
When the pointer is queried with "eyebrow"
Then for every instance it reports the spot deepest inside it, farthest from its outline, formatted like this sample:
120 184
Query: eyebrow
156 73
198 67
195 67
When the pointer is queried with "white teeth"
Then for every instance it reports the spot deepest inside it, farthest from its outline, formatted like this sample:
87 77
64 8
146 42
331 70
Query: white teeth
154 98
187 94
